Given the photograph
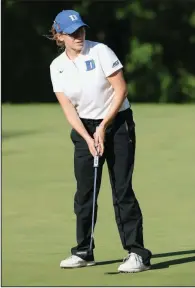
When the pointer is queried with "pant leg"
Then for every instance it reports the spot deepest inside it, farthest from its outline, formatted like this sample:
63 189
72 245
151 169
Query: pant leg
83 200
120 154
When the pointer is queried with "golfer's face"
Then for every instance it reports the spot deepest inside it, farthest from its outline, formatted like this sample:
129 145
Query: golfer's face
76 39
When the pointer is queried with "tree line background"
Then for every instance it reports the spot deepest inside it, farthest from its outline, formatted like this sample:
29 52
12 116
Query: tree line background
155 41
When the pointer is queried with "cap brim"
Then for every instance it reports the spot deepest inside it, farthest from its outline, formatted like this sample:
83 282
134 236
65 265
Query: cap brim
71 29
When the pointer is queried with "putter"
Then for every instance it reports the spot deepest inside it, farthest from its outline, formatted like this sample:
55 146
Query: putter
95 165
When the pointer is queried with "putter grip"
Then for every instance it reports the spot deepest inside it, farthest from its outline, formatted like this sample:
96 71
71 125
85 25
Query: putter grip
96 161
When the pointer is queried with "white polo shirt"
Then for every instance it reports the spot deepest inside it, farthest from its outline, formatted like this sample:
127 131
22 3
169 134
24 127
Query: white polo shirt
83 80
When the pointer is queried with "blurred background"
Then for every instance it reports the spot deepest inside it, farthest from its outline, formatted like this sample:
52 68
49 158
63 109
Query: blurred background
155 40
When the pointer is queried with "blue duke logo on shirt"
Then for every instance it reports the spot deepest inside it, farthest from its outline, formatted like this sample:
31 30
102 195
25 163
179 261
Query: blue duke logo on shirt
90 65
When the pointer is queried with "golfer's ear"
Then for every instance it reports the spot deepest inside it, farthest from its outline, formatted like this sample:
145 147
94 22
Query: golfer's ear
60 37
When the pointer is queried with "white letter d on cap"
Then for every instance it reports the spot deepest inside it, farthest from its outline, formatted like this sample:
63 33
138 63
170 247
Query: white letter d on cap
73 17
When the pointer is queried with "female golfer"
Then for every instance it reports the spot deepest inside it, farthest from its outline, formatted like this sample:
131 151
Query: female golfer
88 81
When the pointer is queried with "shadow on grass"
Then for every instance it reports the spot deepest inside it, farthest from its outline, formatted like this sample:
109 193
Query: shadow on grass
153 256
161 265
9 135
166 264
15 134
173 253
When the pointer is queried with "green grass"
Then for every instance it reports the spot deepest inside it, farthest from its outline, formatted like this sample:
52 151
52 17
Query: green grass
38 223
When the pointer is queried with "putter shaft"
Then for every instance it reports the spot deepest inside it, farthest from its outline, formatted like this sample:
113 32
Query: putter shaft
95 165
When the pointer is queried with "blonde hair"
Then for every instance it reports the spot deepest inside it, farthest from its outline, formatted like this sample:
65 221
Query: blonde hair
54 36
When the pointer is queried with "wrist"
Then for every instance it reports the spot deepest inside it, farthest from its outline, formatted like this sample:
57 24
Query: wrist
87 138
103 125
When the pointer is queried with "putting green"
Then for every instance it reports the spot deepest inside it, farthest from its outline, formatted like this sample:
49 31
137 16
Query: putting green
38 223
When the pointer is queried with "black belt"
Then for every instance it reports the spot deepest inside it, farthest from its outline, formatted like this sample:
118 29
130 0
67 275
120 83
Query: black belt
94 122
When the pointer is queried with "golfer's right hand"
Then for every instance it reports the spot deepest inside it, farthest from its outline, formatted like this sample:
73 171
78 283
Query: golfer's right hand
91 146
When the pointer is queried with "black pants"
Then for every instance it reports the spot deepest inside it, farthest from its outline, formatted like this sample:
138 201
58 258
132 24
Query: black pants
119 155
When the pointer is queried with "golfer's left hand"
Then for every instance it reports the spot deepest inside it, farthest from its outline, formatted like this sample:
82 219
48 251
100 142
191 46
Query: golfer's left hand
99 137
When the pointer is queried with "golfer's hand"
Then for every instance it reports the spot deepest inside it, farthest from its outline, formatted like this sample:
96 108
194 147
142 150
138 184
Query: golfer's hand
99 137
91 146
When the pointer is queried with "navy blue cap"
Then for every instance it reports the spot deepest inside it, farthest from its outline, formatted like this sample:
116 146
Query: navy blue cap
68 21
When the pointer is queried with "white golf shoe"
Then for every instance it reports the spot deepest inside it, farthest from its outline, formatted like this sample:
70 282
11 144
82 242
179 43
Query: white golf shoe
75 262
133 263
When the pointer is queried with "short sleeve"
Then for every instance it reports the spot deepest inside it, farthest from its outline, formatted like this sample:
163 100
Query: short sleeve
108 59
55 79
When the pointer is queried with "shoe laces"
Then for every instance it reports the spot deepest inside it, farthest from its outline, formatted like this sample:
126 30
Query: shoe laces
72 257
136 257
126 258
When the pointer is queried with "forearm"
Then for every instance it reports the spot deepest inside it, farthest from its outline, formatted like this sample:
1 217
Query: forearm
72 116
75 121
